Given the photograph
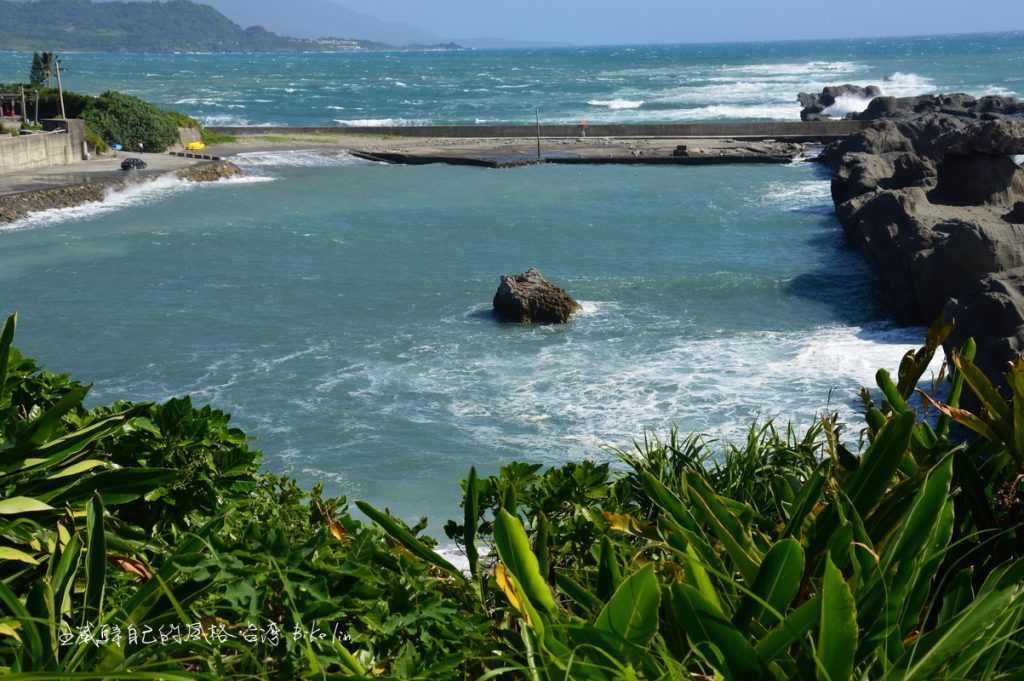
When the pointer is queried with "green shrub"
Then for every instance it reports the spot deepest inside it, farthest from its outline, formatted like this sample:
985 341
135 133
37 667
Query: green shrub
210 137
96 142
129 121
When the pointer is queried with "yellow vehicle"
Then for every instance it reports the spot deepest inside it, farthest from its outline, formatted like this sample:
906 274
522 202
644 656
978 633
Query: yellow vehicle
195 146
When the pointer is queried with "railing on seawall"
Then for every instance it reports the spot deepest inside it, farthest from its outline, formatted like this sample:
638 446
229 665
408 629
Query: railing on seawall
795 130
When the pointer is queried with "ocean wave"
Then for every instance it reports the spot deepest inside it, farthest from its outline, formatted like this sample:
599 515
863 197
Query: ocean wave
379 122
775 111
794 196
616 104
610 393
799 69
297 158
137 194
906 85
229 120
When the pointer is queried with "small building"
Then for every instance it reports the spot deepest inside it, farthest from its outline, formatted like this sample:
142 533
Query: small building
12 105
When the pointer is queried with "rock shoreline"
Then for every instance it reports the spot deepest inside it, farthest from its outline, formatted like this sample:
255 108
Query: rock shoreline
14 207
936 203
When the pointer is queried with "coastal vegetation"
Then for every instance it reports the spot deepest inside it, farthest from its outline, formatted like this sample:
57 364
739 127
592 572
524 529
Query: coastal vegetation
141 541
112 117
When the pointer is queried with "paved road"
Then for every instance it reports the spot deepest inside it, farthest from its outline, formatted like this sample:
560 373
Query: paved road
86 171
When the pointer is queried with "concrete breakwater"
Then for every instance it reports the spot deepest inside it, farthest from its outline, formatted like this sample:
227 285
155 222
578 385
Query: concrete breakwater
24 203
800 131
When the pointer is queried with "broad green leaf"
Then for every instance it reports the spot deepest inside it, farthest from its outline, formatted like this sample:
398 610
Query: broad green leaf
632 612
66 446
725 526
968 352
42 429
958 596
777 583
513 591
810 494
668 501
891 392
879 463
471 515
64 575
6 338
609 576
837 631
541 537
1015 379
982 387
118 486
406 539
577 592
724 646
30 634
514 550
928 569
701 580
78 468
923 661
95 562
8 553
19 505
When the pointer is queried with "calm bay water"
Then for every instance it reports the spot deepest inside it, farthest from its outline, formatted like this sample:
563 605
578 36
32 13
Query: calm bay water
636 84
339 309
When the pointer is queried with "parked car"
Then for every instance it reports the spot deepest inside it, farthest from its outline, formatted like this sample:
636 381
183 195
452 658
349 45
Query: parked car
133 164
195 146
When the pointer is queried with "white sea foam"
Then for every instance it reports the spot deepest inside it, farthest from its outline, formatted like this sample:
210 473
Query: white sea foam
616 104
296 159
227 119
136 194
608 393
709 112
847 104
379 122
794 196
801 69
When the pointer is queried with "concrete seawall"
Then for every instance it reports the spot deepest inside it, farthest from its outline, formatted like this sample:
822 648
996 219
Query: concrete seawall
60 145
34 151
809 131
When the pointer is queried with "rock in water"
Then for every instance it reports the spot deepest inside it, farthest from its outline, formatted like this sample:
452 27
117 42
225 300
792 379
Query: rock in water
209 172
937 205
530 298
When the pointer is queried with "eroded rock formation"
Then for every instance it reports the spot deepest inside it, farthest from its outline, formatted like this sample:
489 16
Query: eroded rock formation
936 203
530 298
877 107
815 104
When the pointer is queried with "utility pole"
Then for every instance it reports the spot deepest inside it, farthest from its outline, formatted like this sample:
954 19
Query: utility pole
24 111
60 91
538 135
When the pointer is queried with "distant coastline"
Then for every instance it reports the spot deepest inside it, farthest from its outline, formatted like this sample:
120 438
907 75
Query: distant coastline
159 27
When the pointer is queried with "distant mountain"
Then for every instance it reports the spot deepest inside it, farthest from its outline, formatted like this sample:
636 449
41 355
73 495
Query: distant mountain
318 18
175 25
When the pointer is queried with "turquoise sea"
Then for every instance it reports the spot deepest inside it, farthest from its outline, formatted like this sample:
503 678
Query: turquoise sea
339 309
628 84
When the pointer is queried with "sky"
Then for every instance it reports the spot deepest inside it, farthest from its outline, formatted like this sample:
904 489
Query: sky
646 21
